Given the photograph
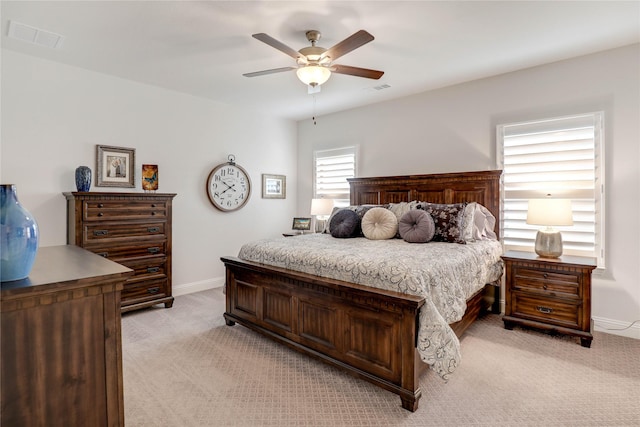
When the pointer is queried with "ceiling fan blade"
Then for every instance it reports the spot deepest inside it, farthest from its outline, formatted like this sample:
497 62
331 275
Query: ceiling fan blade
347 45
357 71
271 71
278 45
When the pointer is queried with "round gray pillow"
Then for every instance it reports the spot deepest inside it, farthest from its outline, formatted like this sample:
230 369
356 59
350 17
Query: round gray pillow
345 223
416 226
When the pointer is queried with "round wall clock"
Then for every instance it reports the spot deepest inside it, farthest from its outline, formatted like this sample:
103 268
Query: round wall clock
228 186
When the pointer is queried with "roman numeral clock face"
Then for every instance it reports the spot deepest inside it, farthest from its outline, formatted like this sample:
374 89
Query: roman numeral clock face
228 187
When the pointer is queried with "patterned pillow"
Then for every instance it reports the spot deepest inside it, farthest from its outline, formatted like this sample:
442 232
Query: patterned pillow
379 224
345 223
416 226
448 219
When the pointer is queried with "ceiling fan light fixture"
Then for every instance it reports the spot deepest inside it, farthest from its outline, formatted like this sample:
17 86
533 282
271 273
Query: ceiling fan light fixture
313 75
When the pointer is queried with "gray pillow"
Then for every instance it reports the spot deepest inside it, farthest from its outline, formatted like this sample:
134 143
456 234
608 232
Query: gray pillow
416 226
345 223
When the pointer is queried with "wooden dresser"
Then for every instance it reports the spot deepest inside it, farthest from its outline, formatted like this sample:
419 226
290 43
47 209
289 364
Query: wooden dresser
61 360
553 294
133 229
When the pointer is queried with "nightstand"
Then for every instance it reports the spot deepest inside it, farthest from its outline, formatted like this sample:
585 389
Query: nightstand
552 294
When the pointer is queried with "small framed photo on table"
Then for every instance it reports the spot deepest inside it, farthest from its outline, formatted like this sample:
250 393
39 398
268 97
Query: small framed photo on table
115 166
301 224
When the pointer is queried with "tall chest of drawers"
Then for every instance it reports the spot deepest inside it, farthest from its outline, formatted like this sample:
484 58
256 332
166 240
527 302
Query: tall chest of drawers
133 229
552 294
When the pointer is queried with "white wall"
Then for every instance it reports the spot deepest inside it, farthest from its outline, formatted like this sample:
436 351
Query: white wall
53 116
453 129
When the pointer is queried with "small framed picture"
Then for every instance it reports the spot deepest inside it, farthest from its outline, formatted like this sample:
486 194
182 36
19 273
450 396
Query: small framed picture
274 186
301 224
150 177
115 166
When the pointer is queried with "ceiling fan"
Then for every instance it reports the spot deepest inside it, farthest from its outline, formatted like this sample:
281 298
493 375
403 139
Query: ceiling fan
315 63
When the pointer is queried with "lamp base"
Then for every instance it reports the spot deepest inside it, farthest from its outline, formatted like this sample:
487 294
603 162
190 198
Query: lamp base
549 243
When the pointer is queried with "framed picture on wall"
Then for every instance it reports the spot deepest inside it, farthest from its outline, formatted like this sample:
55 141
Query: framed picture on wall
115 166
274 186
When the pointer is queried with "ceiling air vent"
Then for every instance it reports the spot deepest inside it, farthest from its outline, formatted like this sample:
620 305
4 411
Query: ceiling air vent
34 35
383 86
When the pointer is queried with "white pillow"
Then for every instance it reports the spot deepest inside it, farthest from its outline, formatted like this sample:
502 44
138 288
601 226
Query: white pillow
484 224
379 224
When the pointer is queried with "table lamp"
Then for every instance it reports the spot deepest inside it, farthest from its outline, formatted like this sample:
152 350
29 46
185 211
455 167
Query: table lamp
320 210
549 212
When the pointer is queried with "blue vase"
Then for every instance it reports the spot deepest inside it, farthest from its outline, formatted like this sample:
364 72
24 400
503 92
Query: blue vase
19 238
83 178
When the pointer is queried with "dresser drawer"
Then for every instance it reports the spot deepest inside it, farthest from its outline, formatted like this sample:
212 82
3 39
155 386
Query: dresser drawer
548 282
146 268
548 310
145 291
94 232
131 250
123 210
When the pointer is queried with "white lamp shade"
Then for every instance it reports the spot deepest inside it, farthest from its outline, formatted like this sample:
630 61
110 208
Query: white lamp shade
549 212
321 206
313 75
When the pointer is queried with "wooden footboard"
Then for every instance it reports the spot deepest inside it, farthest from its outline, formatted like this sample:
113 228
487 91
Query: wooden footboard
370 333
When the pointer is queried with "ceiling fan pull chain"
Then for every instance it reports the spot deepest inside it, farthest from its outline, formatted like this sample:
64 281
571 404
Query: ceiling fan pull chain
314 110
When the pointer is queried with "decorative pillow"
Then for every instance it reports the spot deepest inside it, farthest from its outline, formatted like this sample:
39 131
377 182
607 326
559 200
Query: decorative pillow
345 223
468 222
358 209
484 224
448 219
416 226
399 209
379 224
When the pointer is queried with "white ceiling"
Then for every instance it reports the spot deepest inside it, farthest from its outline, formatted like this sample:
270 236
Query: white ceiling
203 48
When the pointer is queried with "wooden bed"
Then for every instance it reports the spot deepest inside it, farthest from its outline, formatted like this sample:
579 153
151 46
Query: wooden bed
369 332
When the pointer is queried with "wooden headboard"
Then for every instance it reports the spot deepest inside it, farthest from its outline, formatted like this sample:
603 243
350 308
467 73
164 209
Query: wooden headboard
481 186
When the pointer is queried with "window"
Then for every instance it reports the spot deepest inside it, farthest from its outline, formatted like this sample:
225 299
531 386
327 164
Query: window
331 170
559 156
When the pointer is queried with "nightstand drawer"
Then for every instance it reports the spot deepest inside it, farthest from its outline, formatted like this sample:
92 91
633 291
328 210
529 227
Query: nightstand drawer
551 282
547 310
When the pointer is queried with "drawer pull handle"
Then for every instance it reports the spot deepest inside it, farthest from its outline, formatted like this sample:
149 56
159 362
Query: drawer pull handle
153 269
153 250
153 205
544 287
100 214
153 213
545 310
103 254
100 205
153 290
545 275
153 229
101 232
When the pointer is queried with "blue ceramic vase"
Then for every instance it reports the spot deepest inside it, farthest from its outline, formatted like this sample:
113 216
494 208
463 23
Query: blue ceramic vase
19 238
83 178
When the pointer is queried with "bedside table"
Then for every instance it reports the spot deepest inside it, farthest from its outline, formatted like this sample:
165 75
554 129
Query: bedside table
552 294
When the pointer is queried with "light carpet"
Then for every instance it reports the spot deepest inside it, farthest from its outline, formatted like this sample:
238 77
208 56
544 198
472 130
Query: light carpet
184 367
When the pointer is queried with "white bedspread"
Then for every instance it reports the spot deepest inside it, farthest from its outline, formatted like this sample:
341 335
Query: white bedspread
445 274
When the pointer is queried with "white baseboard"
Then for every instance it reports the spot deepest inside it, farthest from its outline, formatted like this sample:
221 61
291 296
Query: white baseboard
616 327
203 285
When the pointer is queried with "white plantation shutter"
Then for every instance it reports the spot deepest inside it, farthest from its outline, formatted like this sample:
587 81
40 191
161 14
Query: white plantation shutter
562 157
332 168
